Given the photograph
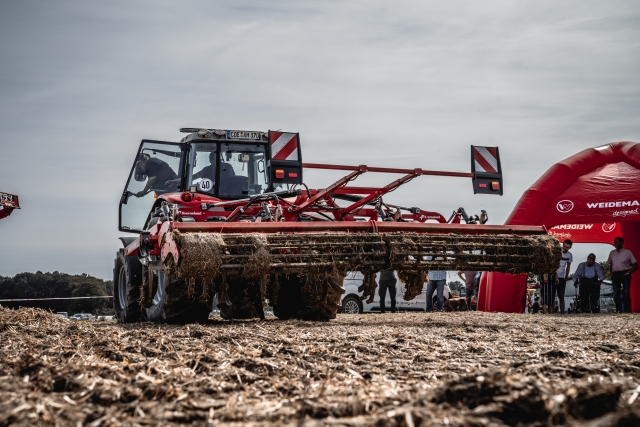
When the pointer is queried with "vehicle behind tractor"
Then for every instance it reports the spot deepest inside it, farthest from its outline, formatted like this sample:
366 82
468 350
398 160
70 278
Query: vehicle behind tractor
226 213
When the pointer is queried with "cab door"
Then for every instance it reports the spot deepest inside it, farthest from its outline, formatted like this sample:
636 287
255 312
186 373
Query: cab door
135 203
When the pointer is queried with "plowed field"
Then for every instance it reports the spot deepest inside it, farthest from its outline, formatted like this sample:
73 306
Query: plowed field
393 369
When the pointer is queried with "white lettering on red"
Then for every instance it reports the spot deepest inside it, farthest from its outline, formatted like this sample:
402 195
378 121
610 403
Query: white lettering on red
620 204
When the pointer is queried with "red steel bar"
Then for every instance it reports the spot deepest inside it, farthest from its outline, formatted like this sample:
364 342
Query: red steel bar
366 168
354 227
323 193
395 184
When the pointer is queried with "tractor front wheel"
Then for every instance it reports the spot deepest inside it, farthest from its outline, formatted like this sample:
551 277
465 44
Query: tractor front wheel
127 272
176 302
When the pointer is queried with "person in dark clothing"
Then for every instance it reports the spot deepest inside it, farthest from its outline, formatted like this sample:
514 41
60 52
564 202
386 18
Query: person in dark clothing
589 275
158 174
207 175
387 282
622 264
209 171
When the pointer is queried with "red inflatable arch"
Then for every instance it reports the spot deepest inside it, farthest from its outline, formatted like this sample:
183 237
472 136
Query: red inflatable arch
593 196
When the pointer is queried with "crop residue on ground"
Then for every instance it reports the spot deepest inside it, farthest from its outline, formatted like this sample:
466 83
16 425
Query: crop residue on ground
403 369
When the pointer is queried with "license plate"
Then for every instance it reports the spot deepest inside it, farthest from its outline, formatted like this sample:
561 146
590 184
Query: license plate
243 134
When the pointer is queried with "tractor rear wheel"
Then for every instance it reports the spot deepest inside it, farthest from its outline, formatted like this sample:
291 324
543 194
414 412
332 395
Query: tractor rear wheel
172 302
127 271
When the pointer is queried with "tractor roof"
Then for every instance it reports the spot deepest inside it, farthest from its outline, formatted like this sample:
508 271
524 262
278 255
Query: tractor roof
201 134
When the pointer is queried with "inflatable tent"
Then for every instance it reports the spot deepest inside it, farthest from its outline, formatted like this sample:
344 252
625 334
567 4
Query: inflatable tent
591 197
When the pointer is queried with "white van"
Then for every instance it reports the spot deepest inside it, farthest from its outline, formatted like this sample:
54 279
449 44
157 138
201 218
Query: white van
352 304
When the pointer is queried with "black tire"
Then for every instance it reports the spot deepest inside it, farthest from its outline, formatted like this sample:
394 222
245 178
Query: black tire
241 300
172 304
287 297
309 297
127 277
351 305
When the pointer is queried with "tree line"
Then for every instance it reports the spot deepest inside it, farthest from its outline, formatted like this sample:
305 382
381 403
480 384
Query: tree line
58 285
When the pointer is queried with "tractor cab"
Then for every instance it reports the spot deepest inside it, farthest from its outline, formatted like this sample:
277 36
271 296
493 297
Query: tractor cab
223 164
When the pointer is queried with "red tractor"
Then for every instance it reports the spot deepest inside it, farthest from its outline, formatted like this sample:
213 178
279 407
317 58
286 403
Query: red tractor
227 213
8 202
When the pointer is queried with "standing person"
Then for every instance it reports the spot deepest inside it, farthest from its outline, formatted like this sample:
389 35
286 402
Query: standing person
387 282
547 292
469 278
589 275
622 264
563 272
437 280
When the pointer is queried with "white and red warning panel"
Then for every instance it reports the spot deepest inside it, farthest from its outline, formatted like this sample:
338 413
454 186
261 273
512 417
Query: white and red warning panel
284 146
285 157
487 170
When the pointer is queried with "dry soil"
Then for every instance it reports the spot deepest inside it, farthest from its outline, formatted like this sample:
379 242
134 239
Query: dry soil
393 369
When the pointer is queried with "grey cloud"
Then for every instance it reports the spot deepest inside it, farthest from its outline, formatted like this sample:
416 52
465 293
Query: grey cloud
408 84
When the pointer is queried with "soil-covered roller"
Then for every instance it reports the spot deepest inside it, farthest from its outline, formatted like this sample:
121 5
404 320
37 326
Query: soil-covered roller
302 273
205 255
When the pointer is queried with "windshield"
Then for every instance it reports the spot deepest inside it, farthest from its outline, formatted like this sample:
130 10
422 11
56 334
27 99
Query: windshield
242 169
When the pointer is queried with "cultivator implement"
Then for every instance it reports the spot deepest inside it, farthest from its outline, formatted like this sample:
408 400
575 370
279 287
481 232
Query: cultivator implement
233 218
322 253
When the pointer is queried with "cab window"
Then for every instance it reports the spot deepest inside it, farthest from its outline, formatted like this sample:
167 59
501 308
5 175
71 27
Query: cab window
242 170
203 167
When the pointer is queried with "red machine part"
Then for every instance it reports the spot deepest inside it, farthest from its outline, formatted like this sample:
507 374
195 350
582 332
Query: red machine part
8 202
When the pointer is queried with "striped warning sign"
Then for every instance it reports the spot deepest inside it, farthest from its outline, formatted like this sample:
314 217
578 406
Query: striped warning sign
284 146
485 159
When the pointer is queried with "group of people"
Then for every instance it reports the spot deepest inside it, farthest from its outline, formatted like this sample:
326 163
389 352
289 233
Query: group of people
588 278
436 281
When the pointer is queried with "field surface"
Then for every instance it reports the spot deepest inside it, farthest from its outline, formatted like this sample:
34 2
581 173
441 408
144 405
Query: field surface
403 369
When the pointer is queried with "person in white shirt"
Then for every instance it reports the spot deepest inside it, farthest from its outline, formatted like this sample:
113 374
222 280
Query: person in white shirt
563 272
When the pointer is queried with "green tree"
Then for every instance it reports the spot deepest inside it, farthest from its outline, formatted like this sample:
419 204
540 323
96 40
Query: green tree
605 269
93 305
55 285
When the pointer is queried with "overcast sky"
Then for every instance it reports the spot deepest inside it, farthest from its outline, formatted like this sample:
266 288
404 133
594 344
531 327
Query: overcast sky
398 84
